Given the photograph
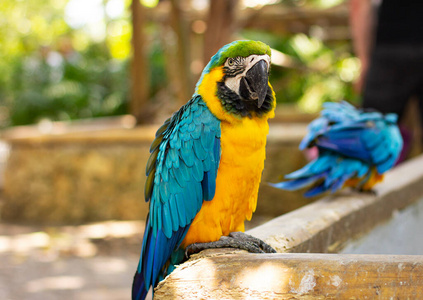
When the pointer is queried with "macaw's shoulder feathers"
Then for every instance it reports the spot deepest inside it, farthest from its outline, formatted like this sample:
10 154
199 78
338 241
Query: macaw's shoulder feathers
183 164
181 173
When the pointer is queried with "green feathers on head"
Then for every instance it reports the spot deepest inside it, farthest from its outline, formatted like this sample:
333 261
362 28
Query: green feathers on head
237 48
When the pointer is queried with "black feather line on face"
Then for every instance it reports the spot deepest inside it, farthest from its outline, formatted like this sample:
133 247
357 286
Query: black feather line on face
232 72
234 104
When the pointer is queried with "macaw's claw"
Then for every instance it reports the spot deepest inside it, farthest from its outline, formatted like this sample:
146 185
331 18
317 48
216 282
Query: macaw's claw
239 240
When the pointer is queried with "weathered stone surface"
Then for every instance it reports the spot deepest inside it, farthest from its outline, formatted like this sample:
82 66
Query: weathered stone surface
326 225
214 274
99 175
68 183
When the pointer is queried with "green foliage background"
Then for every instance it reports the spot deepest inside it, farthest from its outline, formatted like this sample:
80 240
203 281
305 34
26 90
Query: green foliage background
52 70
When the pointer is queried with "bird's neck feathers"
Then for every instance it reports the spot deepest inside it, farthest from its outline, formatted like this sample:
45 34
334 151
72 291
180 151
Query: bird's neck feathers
225 105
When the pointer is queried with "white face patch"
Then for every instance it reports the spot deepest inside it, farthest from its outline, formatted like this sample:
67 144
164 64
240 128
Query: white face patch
248 62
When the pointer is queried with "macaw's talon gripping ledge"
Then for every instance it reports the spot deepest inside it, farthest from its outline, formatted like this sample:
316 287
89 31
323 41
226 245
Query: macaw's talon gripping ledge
238 240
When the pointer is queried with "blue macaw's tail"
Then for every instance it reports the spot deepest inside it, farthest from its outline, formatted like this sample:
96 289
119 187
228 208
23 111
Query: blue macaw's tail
139 290
153 265
328 172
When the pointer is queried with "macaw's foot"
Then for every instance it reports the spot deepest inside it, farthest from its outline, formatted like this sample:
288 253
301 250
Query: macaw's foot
239 240
368 192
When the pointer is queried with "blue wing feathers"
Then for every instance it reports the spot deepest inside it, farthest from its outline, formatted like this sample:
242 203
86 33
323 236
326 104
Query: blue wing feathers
166 220
216 152
182 210
186 153
191 127
197 172
207 138
148 188
210 171
163 128
151 163
350 143
181 173
173 209
199 150
208 185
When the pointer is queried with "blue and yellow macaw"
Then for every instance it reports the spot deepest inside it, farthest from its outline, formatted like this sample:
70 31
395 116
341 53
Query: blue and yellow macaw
206 164
355 149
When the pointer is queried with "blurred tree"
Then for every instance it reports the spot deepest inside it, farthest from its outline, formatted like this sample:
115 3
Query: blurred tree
220 26
68 59
314 35
182 49
140 80
58 67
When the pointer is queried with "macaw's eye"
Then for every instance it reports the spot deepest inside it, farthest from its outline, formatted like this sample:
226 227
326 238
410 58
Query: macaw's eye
230 61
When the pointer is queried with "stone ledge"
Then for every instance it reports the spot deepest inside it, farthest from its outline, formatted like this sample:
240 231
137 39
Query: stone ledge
288 133
240 275
321 227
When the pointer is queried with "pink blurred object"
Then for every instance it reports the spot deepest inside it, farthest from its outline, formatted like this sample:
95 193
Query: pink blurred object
311 153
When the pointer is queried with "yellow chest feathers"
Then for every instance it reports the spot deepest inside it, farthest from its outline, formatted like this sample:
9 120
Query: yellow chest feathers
237 183
243 142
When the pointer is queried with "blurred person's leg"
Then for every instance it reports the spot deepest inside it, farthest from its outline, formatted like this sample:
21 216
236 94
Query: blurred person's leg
389 81
394 75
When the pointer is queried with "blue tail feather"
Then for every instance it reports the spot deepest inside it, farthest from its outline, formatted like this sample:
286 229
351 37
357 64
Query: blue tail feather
156 250
333 168
297 183
139 292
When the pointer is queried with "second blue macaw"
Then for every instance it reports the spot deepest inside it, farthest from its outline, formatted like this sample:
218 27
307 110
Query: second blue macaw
355 149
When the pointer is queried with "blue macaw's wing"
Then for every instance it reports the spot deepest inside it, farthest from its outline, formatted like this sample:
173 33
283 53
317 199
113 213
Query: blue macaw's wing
327 172
181 173
332 114
367 136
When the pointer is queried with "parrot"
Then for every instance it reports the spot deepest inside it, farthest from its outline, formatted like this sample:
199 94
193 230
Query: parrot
355 148
205 165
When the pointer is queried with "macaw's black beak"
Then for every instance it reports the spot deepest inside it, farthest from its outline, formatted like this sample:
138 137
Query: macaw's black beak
254 84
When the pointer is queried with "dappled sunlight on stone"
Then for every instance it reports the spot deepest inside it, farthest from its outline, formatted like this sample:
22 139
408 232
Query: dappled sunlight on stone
55 283
266 277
